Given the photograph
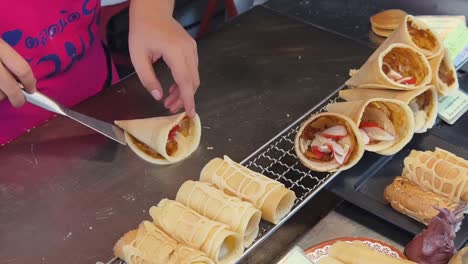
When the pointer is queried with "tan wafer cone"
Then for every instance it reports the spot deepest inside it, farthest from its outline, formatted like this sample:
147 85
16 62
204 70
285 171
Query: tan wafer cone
194 230
430 46
450 157
399 113
150 245
242 217
327 119
154 133
427 93
269 196
371 75
413 201
436 175
442 65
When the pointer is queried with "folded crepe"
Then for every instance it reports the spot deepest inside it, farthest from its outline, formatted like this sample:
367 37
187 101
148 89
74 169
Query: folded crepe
162 140
416 34
444 76
386 125
329 142
423 102
269 196
412 200
241 217
398 67
149 245
437 175
194 230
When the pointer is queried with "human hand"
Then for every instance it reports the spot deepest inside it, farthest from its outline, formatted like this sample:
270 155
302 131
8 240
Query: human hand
155 34
14 69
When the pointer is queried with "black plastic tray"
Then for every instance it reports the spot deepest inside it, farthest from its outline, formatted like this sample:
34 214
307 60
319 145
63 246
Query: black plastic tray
364 184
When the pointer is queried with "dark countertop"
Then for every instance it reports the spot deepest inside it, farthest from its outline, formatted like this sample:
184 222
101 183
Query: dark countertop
67 194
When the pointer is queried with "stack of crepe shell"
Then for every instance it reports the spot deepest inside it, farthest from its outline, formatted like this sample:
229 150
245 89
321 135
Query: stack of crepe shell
430 179
210 221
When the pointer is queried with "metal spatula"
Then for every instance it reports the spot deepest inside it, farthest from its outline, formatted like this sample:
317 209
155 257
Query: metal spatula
109 130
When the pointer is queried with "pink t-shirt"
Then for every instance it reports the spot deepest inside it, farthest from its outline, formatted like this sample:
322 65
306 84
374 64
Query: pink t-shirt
59 40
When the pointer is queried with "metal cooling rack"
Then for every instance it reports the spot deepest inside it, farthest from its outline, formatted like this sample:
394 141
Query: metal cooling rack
277 159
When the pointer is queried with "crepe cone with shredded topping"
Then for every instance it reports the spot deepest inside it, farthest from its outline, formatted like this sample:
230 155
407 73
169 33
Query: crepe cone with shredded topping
149 245
390 114
325 120
194 230
242 217
437 175
149 138
444 76
407 61
425 97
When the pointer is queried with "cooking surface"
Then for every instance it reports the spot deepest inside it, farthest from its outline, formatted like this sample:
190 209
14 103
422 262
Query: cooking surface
67 193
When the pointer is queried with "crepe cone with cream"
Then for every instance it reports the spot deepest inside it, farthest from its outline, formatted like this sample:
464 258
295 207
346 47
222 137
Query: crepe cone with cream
423 102
163 140
269 196
194 230
415 202
386 125
242 217
444 76
149 245
437 175
329 142
398 67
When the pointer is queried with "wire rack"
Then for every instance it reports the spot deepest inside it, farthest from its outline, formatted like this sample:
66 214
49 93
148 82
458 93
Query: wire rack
277 159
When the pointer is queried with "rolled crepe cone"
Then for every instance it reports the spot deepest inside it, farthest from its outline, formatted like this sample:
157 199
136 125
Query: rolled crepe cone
325 120
428 94
194 230
398 112
437 175
149 245
444 76
410 199
416 34
154 133
412 61
271 197
241 217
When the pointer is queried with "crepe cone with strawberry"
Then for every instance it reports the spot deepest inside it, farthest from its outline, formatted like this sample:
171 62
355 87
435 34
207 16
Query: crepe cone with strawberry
163 140
386 125
328 142
423 102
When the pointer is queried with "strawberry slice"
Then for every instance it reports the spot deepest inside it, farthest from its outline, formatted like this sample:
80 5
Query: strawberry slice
317 152
365 137
378 134
173 132
369 124
335 132
407 80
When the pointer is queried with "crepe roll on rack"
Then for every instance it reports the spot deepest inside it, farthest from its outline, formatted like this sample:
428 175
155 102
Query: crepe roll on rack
416 34
437 175
162 140
444 76
149 245
386 125
329 142
194 230
242 217
269 196
398 67
410 199
423 102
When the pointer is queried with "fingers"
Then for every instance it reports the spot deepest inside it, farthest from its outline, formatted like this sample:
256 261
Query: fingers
2 95
18 66
10 87
173 96
145 71
176 106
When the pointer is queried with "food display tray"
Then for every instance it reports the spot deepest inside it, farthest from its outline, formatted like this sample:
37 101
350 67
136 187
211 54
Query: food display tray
276 159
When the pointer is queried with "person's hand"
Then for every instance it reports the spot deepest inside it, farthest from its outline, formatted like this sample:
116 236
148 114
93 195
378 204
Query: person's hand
154 34
14 69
